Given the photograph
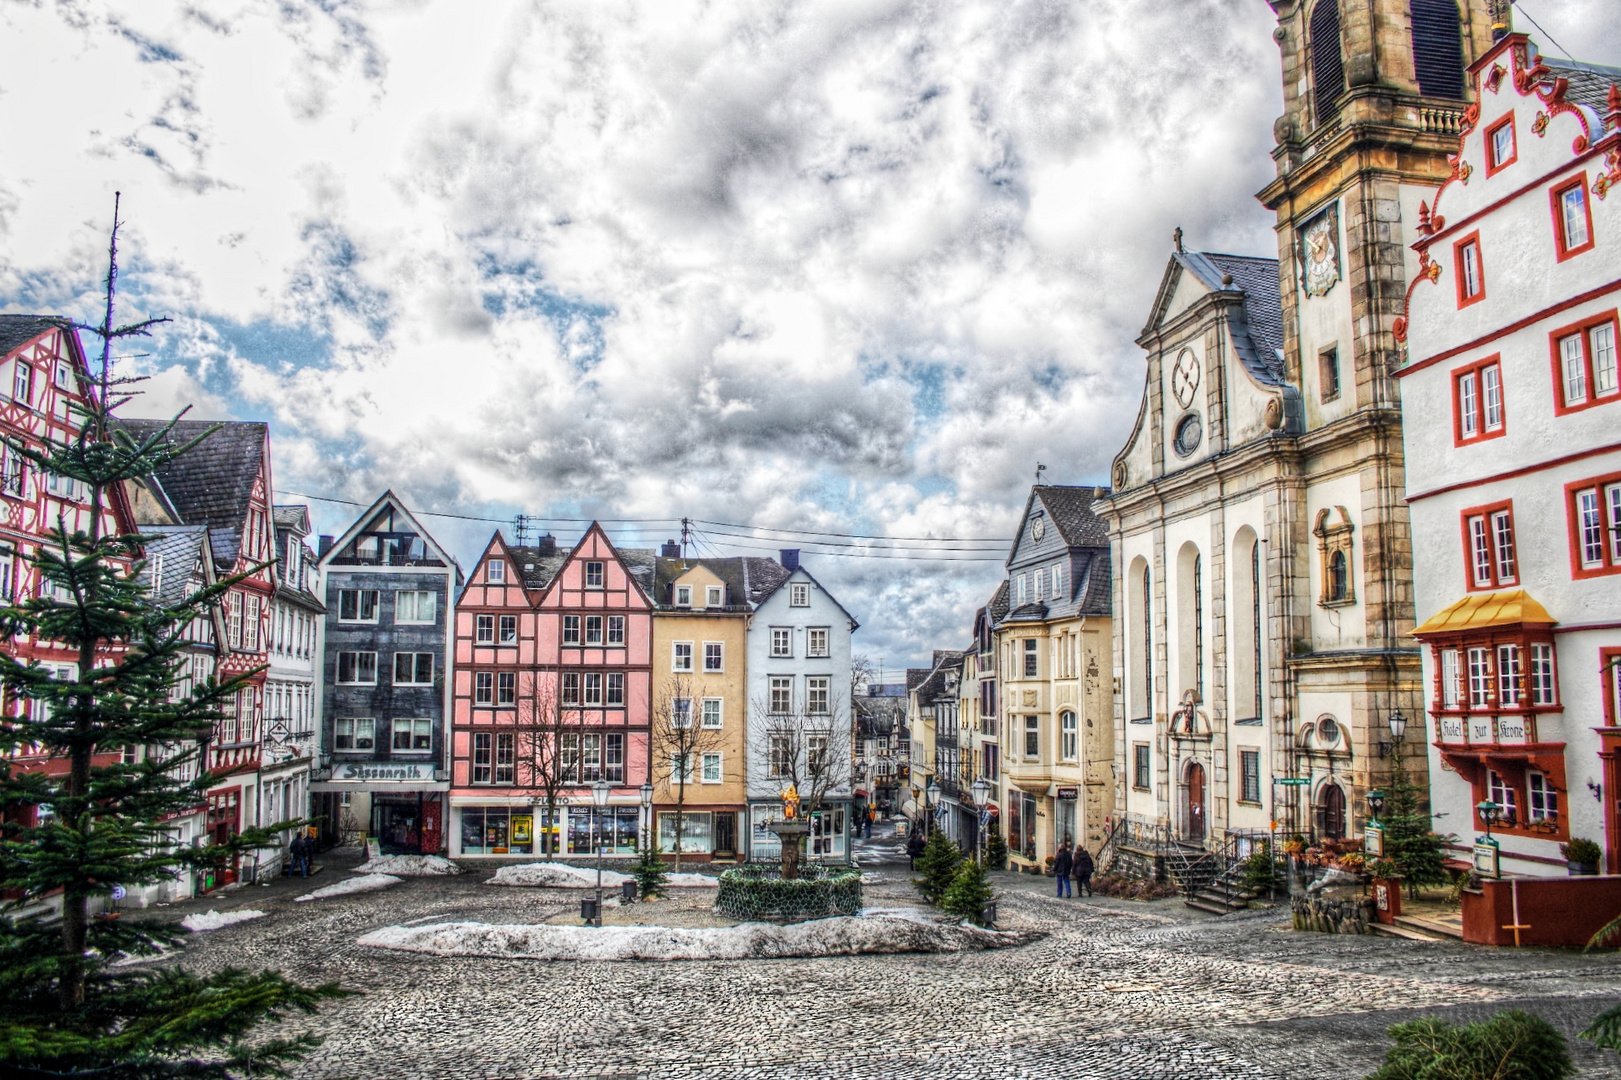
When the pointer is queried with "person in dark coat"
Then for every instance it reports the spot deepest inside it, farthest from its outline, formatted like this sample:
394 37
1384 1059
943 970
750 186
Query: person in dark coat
914 848
1063 863
301 850
1083 869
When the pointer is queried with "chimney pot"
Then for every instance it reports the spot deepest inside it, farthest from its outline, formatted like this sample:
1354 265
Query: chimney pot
325 545
790 559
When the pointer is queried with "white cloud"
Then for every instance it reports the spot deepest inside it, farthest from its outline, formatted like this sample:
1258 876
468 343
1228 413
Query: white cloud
843 266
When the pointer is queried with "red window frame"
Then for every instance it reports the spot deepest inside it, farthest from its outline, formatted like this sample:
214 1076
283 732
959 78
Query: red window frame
1585 330
1608 677
1559 239
1495 580
1493 166
1464 299
1611 564
1478 369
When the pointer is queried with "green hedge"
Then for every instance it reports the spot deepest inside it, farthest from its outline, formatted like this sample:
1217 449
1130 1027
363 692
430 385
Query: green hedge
755 894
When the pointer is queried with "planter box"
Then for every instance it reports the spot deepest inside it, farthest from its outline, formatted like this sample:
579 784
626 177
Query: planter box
1552 911
1582 869
1387 900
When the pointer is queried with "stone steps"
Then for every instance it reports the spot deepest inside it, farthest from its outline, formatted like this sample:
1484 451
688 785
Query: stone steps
1399 931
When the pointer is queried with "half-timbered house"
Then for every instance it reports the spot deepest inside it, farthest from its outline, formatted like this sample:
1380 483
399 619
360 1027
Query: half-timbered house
552 695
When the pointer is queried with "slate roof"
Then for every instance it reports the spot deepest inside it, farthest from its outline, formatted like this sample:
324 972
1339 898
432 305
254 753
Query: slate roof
1588 84
538 568
18 330
1070 509
178 547
997 609
1257 333
1096 596
916 677
293 593
212 484
934 681
748 580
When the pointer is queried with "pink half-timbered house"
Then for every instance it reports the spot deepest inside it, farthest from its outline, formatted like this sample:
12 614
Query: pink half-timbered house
551 645
224 484
44 385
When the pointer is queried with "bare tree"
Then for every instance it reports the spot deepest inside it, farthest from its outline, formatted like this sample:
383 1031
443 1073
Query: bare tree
679 740
542 763
804 743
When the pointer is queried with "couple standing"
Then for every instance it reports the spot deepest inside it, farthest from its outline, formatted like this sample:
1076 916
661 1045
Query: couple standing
1074 860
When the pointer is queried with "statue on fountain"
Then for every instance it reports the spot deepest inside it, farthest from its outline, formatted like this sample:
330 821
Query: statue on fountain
789 832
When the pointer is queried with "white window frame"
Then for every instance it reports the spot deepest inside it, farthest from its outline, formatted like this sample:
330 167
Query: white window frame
360 605
1069 735
1480 676
355 725
782 642
714 713
715 775
616 630
1542 798
780 699
596 575
681 657
359 665
484 629
1450 686
816 642
416 730
495 571
799 594
683 596
712 596
572 633
715 650
506 689
483 688
818 695
415 669
502 624
1570 222
1544 685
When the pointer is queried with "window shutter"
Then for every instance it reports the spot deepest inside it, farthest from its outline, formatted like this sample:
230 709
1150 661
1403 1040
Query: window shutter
1437 48
1327 64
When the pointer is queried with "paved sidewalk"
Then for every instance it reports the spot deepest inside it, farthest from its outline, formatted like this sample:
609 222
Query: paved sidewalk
1115 989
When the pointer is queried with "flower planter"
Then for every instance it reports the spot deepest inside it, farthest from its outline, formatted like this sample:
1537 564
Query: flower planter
1582 869
1387 899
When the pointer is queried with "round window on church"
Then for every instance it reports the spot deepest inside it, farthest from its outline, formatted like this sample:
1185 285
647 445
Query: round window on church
1188 434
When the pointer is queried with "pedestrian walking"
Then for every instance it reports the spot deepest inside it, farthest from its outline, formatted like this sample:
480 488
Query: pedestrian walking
1083 869
301 852
914 848
872 815
1063 863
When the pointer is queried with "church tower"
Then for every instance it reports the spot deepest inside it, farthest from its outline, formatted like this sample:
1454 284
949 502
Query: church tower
1375 96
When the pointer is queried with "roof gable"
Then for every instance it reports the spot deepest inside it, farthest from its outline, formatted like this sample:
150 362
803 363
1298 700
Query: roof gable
400 516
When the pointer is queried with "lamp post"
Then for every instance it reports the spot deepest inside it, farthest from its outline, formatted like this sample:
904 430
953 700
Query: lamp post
981 794
1376 803
1398 731
931 796
1488 813
599 795
647 816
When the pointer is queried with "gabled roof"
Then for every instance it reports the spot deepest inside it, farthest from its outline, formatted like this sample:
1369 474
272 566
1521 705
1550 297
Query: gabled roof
766 593
212 484
1586 84
173 550
536 566
1070 509
294 516
1257 333
388 498
18 330
748 579
997 609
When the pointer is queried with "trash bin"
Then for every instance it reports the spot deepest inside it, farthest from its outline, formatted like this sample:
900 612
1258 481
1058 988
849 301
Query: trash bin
588 910
627 891
988 916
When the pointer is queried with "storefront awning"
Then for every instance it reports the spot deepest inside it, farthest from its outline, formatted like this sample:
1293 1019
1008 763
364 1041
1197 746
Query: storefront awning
1483 611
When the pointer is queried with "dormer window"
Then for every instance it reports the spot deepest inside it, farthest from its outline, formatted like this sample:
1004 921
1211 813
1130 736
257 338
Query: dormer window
683 596
495 570
712 596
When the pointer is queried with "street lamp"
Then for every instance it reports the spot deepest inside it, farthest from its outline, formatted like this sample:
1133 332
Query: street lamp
1488 811
1398 730
647 815
1376 803
599 795
982 794
931 797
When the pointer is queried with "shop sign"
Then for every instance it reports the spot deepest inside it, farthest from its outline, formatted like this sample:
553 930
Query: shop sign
522 829
1511 729
356 772
1486 854
1452 729
1480 729
1068 792
1373 839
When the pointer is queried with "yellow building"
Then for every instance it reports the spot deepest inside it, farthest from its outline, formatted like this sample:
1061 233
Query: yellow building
1053 650
700 705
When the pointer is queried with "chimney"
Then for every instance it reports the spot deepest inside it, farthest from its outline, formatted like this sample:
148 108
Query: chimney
325 546
670 550
546 545
790 559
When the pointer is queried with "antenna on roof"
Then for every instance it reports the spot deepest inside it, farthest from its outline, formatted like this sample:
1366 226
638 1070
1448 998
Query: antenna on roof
686 531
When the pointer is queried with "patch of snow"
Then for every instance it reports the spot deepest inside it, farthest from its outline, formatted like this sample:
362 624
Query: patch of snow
563 876
213 920
842 936
409 866
691 881
350 885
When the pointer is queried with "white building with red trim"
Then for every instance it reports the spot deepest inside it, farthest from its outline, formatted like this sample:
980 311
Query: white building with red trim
1511 399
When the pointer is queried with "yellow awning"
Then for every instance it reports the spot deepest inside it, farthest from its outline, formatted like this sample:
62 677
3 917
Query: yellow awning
1482 611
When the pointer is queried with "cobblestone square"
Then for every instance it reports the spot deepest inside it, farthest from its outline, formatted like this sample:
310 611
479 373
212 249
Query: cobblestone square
1114 988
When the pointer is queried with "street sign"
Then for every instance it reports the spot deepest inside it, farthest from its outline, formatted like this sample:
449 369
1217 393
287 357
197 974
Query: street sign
1373 839
1293 781
1486 858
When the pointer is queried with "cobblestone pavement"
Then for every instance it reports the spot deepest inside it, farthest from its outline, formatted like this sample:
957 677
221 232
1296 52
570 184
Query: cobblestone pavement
1114 989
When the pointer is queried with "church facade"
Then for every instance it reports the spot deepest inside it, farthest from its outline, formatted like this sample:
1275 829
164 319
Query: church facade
1263 589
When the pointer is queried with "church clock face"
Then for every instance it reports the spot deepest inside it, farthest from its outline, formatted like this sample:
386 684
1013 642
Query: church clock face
1185 378
1320 253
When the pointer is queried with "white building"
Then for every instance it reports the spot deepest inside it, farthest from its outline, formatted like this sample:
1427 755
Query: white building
1512 400
799 678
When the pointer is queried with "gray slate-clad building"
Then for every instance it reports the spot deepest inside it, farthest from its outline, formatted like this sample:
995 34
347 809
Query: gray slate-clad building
390 593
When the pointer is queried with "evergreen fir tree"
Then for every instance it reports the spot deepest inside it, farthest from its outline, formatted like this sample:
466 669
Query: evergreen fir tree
648 871
995 850
938 864
1410 842
69 1009
968 894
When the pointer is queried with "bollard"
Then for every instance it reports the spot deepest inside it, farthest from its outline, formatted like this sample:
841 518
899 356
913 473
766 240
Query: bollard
588 910
987 917
627 891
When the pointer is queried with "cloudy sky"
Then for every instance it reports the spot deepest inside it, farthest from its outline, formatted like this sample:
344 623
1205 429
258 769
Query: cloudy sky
842 267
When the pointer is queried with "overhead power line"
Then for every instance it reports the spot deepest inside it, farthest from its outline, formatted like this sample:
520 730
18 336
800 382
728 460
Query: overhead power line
864 536
913 555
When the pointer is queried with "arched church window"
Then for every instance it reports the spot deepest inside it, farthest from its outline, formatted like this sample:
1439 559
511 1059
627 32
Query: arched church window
1327 62
1337 580
1437 48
